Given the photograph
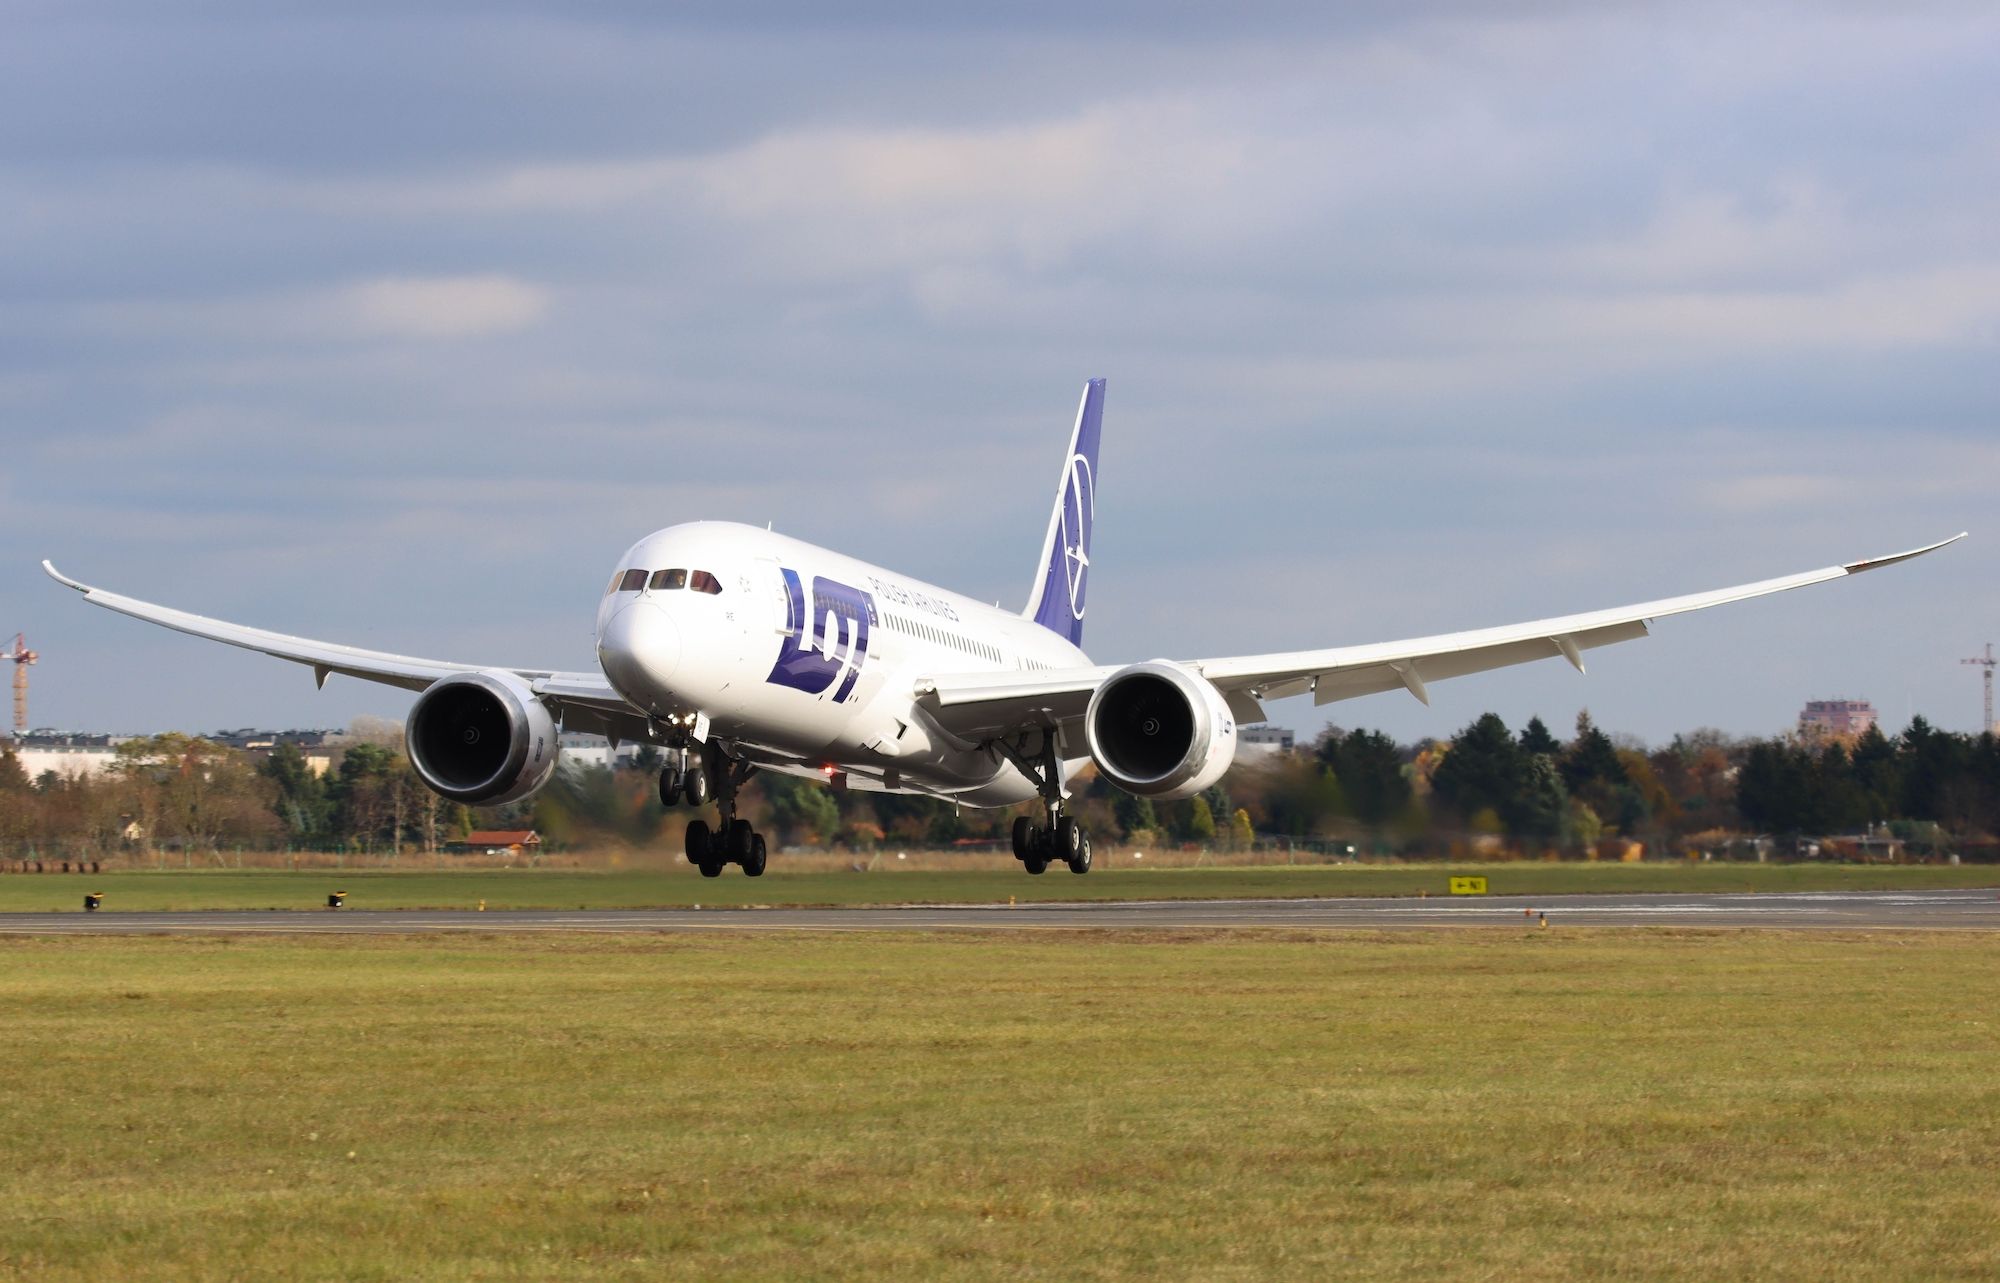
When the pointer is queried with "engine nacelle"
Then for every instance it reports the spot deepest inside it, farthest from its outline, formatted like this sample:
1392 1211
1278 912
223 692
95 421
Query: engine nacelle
1159 730
482 738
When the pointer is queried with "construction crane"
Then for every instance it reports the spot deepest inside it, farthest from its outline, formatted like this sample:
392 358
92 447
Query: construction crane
23 657
1988 663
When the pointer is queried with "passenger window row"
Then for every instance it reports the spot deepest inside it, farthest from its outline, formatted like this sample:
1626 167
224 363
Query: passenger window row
664 581
945 637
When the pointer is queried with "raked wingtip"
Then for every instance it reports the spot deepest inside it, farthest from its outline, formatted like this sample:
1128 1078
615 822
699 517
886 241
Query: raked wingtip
1875 563
49 568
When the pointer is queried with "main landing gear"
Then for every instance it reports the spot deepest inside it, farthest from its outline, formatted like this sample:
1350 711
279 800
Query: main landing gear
692 776
1062 839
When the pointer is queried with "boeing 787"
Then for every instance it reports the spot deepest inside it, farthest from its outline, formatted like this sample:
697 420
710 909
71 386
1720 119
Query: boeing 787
736 649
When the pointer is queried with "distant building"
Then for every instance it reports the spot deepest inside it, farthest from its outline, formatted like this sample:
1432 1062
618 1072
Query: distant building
1266 739
76 754
256 741
312 745
42 751
582 749
1836 718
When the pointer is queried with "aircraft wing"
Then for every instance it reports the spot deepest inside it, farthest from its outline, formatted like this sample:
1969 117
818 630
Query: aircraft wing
586 699
986 705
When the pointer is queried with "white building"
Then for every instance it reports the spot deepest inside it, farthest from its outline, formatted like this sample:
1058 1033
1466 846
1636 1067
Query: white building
1265 740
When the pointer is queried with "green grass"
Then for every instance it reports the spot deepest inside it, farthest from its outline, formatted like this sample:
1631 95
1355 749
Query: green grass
680 885
1425 1106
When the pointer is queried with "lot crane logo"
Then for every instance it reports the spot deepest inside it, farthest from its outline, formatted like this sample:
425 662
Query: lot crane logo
1079 509
826 643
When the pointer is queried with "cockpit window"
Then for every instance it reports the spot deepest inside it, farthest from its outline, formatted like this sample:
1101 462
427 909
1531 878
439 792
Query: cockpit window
632 581
702 581
664 579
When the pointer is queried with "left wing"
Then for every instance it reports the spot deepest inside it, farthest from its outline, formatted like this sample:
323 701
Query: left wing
980 706
584 700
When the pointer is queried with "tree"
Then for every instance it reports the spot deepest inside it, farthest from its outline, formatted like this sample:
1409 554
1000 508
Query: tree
1134 814
1369 767
201 792
16 800
364 794
1878 774
1931 760
301 795
1543 802
1535 738
802 810
1774 789
1484 769
1201 820
1590 767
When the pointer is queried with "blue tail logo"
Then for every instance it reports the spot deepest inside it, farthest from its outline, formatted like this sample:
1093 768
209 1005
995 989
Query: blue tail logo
1057 601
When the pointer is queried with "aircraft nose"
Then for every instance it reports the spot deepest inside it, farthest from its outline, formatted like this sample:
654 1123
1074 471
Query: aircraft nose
639 648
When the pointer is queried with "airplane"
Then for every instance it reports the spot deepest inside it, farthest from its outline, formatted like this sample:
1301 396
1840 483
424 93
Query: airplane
737 649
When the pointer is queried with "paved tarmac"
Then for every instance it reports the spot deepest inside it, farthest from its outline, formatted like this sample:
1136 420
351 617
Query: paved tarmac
1832 910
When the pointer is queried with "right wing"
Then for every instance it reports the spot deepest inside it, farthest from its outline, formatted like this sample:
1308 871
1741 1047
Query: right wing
984 706
585 701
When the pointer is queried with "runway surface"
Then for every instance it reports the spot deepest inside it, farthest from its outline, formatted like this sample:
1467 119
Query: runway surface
1858 910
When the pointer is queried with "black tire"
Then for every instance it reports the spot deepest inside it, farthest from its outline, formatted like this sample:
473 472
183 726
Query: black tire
670 786
754 866
1024 837
1080 862
710 868
741 839
698 841
1068 839
695 786
1036 865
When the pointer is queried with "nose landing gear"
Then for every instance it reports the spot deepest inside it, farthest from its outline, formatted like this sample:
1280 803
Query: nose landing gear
733 841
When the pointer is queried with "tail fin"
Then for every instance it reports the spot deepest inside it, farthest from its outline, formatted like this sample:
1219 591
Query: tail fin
1056 603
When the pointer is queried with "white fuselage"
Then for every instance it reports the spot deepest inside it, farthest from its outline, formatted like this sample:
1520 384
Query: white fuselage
799 650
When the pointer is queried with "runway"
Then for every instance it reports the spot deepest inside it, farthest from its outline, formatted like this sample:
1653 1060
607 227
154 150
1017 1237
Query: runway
1835 910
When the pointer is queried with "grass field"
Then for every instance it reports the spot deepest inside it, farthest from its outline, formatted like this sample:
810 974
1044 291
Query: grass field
1441 1105
677 884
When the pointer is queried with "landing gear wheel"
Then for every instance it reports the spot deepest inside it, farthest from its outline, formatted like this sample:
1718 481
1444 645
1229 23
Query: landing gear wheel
710 868
741 840
1024 837
698 842
1080 861
670 786
695 787
1036 864
754 866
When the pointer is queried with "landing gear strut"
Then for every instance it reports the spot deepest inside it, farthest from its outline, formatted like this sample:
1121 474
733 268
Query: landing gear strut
732 841
1062 839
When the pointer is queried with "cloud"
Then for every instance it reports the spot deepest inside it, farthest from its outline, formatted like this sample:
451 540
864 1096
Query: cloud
448 307
1404 314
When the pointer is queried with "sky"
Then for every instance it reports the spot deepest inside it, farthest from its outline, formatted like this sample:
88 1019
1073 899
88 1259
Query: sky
395 324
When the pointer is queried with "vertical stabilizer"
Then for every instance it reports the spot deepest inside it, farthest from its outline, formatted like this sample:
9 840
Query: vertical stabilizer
1056 602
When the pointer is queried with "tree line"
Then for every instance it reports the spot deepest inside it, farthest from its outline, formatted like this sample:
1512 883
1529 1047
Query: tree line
1486 787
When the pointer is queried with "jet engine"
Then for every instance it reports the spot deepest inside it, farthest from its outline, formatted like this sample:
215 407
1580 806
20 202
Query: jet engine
1160 730
482 738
